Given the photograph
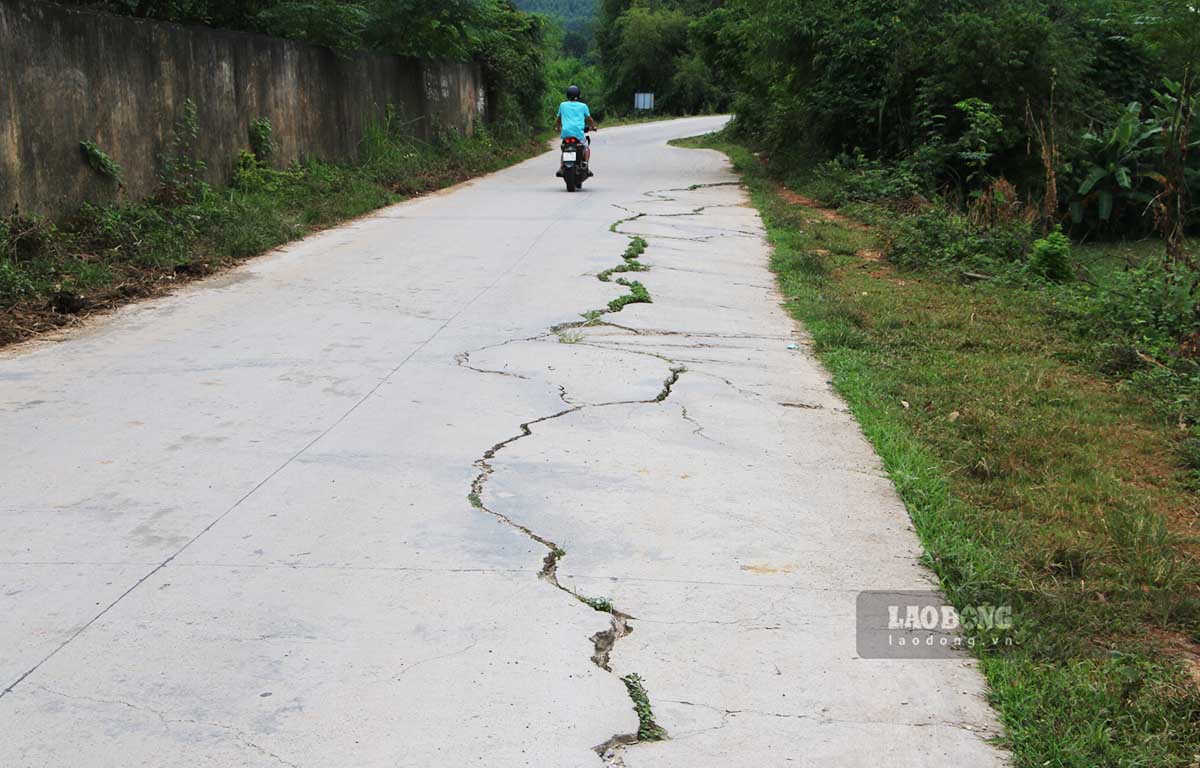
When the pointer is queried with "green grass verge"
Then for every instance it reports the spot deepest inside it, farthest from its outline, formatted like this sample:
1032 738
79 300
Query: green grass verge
106 255
1032 481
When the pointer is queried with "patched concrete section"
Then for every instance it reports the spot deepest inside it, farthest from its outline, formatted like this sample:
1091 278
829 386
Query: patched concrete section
385 498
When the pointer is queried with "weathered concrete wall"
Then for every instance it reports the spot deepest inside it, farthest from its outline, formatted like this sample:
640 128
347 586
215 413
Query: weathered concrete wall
67 75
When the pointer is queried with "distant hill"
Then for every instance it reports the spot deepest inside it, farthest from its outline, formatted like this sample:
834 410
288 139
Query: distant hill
574 13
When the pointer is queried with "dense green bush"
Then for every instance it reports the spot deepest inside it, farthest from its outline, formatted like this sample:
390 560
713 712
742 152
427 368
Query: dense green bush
14 283
859 179
659 48
1149 302
939 238
1037 92
564 64
1051 257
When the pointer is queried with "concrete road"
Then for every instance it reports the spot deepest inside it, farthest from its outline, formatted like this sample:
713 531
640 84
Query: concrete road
347 504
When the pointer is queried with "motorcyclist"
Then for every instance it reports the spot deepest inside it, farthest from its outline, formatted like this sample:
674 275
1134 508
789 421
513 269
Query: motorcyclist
574 120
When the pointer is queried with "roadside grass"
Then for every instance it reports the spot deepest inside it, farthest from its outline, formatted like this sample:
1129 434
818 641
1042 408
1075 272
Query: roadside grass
52 272
1033 481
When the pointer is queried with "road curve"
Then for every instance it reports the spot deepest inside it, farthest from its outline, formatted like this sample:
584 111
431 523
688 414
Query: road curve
384 498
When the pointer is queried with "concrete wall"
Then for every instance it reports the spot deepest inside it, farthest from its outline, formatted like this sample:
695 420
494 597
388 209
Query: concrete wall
68 75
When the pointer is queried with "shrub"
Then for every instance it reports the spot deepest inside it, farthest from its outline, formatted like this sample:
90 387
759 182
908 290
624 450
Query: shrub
859 179
1151 303
1190 451
998 203
26 238
939 237
182 173
262 144
1051 257
14 282
251 175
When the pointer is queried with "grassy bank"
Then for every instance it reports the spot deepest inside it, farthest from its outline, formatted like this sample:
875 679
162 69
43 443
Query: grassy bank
1034 478
52 273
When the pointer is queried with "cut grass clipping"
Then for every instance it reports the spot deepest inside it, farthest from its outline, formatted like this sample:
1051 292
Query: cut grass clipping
1031 480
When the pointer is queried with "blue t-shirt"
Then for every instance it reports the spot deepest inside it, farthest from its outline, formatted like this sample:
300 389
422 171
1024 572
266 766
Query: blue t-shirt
574 116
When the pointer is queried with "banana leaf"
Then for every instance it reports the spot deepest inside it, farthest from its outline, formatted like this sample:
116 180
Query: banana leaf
1092 180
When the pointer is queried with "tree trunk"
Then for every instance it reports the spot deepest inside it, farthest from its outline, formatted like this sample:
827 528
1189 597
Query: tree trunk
1173 217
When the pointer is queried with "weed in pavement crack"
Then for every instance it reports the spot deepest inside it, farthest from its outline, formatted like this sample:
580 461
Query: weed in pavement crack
619 622
619 625
648 730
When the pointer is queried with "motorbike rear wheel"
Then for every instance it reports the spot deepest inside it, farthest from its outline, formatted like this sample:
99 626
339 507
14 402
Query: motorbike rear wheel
569 178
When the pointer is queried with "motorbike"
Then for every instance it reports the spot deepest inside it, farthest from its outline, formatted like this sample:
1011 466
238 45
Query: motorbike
574 166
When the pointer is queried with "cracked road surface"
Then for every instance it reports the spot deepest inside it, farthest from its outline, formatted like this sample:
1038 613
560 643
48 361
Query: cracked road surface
381 498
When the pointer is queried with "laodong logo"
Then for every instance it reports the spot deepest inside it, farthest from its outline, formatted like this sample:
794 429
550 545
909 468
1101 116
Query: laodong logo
911 624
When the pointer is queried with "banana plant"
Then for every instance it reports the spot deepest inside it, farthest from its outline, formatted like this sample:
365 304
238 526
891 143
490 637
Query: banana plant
1170 110
1111 165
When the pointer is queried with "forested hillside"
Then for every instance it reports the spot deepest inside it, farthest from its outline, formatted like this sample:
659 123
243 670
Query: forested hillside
575 14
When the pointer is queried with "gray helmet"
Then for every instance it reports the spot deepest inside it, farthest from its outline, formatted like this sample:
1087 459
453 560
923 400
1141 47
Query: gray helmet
573 93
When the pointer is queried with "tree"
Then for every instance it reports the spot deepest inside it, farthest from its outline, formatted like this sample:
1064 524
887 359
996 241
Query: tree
330 23
653 46
434 29
1176 30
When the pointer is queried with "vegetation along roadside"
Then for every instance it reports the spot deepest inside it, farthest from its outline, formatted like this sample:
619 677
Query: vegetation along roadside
52 273
1045 465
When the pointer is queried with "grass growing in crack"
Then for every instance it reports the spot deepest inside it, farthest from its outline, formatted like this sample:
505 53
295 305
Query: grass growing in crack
636 247
637 295
476 502
570 337
648 730
601 604
629 266
1032 481
613 227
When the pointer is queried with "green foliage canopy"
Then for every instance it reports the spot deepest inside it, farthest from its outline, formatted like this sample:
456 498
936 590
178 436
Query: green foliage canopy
656 47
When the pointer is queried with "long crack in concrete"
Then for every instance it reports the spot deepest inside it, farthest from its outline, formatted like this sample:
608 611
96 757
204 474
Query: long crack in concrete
603 642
